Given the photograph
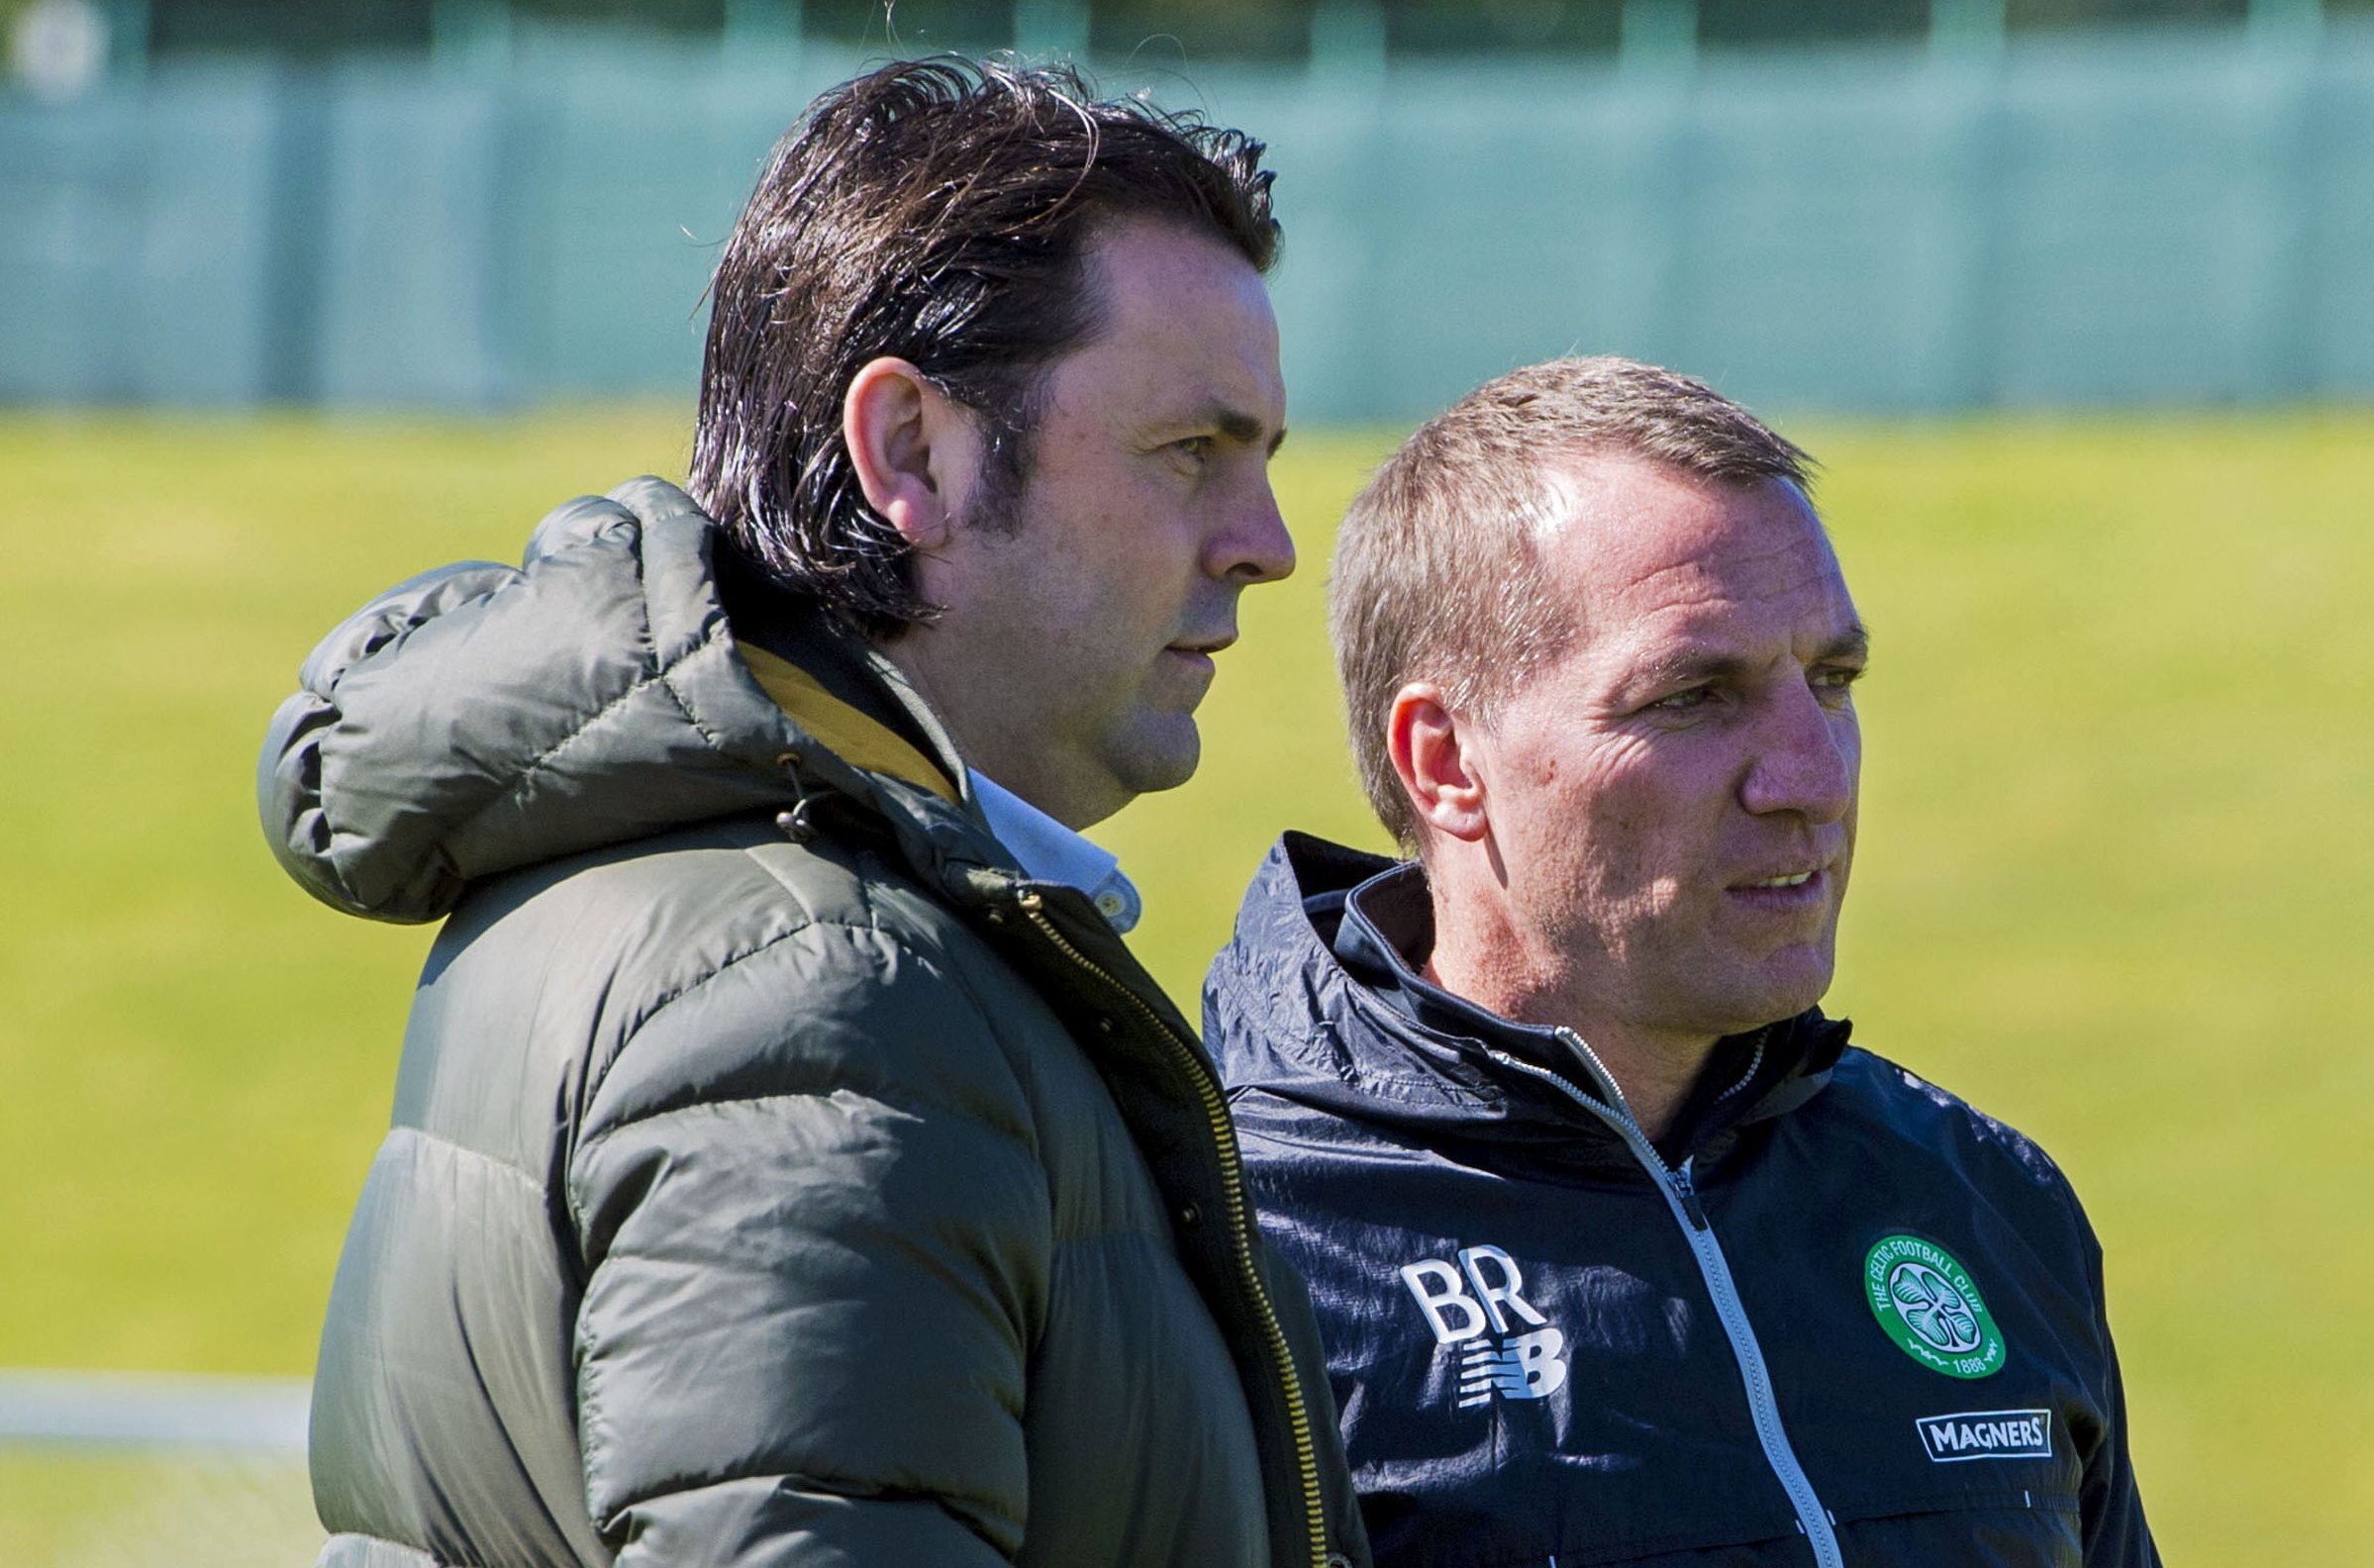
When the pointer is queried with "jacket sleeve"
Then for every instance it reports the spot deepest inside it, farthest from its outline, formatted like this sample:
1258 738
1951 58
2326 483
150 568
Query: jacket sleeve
2109 1509
817 1236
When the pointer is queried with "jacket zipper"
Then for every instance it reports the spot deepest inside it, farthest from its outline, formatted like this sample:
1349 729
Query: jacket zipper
1680 1192
1240 1220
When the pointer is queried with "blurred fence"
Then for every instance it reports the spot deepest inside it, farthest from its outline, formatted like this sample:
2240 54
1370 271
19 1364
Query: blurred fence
2169 217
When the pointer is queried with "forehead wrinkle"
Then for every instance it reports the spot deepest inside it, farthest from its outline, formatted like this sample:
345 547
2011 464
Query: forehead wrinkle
1658 580
1699 651
1711 574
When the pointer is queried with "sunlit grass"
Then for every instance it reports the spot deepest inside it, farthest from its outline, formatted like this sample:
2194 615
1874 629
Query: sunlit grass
2112 884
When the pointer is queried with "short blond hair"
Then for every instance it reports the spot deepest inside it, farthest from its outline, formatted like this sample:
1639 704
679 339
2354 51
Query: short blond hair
1436 572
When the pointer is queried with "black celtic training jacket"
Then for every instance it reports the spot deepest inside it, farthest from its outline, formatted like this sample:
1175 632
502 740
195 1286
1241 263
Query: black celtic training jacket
1840 1317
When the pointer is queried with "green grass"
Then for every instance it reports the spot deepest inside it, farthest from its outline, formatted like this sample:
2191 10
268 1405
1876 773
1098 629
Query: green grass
92 1510
2112 886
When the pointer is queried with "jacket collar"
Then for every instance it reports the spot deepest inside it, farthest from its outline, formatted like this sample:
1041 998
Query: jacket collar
853 736
841 690
1319 999
1053 853
834 684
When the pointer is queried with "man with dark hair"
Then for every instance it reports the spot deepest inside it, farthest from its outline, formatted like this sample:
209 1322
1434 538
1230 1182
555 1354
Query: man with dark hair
790 1163
1622 1253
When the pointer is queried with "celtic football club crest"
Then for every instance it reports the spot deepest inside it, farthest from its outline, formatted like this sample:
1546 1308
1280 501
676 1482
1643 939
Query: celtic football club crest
1927 1304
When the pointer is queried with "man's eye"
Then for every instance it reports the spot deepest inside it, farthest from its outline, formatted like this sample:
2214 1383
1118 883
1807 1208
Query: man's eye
1837 683
1683 701
1196 446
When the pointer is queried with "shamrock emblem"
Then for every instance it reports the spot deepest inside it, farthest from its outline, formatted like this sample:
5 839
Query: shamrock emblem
1933 1309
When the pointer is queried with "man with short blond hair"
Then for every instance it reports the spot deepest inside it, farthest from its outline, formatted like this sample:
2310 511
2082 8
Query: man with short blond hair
1621 1252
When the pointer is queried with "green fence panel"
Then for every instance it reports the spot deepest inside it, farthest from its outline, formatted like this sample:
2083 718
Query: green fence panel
134 242
2170 218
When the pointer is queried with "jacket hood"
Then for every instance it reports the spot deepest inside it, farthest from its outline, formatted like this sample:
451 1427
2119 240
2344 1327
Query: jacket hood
1285 1017
484 718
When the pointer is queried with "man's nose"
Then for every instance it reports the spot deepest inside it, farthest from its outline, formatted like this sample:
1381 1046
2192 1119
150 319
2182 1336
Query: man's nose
1808 761
1254 546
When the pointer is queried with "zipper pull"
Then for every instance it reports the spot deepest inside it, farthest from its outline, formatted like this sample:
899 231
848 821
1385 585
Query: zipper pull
1686 1191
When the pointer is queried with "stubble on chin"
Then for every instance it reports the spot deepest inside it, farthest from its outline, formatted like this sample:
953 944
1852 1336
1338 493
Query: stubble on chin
1163 755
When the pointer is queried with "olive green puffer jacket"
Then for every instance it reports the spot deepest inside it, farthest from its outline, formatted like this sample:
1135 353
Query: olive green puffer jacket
776 1175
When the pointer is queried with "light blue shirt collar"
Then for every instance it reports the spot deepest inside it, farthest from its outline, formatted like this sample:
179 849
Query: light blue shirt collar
1053 853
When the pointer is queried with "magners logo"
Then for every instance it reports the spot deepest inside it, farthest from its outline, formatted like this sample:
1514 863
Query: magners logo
1928 1305
1987 1434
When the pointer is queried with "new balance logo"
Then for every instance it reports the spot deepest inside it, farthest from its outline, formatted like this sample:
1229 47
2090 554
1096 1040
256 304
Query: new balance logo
1514 1353
1521 1367
1987 1434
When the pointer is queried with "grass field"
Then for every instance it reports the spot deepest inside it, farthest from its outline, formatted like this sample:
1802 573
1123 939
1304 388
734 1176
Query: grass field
2114 886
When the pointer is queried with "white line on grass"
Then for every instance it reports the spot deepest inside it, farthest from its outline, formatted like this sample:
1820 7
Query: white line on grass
155 1409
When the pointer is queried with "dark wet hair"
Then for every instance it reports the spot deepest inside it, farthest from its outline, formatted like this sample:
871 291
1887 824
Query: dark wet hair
938 212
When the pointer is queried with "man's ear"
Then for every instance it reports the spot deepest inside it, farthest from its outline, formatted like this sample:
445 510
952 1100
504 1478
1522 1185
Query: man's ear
1433 750
914 448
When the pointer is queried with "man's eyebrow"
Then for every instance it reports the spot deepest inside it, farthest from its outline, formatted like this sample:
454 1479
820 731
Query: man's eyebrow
1241 427
1693 667
1854 644
1850 645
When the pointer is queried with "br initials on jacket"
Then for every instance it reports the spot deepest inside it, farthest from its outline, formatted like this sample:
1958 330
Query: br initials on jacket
1478 1298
